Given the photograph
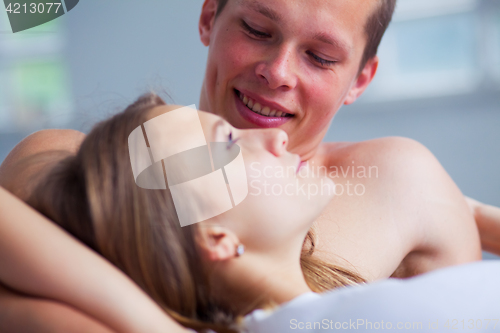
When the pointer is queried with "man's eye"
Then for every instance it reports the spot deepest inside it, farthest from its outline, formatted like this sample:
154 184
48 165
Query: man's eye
256 33
321 61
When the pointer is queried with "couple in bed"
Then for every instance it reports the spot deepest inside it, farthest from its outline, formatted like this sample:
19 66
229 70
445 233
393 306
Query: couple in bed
286 64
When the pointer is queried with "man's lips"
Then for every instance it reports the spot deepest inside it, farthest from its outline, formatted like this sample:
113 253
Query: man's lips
263 106
257 118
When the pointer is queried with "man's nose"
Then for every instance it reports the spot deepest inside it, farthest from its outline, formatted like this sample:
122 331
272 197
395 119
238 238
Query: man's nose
278 68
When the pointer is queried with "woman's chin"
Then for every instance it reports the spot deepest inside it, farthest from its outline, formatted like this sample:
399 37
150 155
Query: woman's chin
325 194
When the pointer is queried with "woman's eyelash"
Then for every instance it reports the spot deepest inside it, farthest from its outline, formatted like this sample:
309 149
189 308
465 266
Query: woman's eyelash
254 32
320 60
231 141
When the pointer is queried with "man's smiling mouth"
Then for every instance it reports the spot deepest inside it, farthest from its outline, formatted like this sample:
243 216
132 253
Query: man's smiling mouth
262 110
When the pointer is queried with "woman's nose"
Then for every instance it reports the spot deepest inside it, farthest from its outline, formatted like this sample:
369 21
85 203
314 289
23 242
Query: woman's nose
278 69
275 140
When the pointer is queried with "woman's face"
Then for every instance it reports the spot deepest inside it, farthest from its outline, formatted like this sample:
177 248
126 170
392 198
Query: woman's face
283 199
284 196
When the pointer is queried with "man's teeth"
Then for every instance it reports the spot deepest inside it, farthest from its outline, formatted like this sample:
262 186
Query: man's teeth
257 108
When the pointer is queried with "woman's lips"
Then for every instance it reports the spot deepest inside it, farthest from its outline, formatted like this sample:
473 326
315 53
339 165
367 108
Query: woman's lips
258 119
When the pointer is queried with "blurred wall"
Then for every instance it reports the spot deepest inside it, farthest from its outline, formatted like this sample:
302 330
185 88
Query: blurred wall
438 81
120 49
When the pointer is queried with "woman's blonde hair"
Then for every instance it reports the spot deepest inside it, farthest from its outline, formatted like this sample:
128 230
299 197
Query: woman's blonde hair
93 196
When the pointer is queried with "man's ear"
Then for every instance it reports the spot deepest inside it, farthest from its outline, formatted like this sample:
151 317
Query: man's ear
207 19
217 243
363 80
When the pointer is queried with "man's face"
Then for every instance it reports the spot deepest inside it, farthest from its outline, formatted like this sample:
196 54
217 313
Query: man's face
297 59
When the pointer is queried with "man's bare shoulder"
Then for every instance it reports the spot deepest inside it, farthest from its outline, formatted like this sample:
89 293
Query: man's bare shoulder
421 197
406 168
34 153
380 215
406 163
382 151
50 139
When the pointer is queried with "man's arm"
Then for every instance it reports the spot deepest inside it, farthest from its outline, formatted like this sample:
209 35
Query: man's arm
24 314
18 174
40 259
488 222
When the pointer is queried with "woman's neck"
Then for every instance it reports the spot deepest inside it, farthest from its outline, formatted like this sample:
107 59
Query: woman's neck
255 281
285 286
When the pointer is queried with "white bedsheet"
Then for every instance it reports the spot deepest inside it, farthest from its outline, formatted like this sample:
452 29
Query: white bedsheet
459 298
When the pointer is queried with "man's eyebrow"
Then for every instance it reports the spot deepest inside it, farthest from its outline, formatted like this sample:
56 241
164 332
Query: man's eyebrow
264 10
325 38
273 15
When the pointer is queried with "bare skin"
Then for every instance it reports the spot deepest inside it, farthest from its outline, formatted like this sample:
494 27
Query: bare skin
488 222
34 155
388 241
269 53
388 230
19 173
25 314
43 262
404 223
410 219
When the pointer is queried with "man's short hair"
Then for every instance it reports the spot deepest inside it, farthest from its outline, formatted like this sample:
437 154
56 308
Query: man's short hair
375 27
